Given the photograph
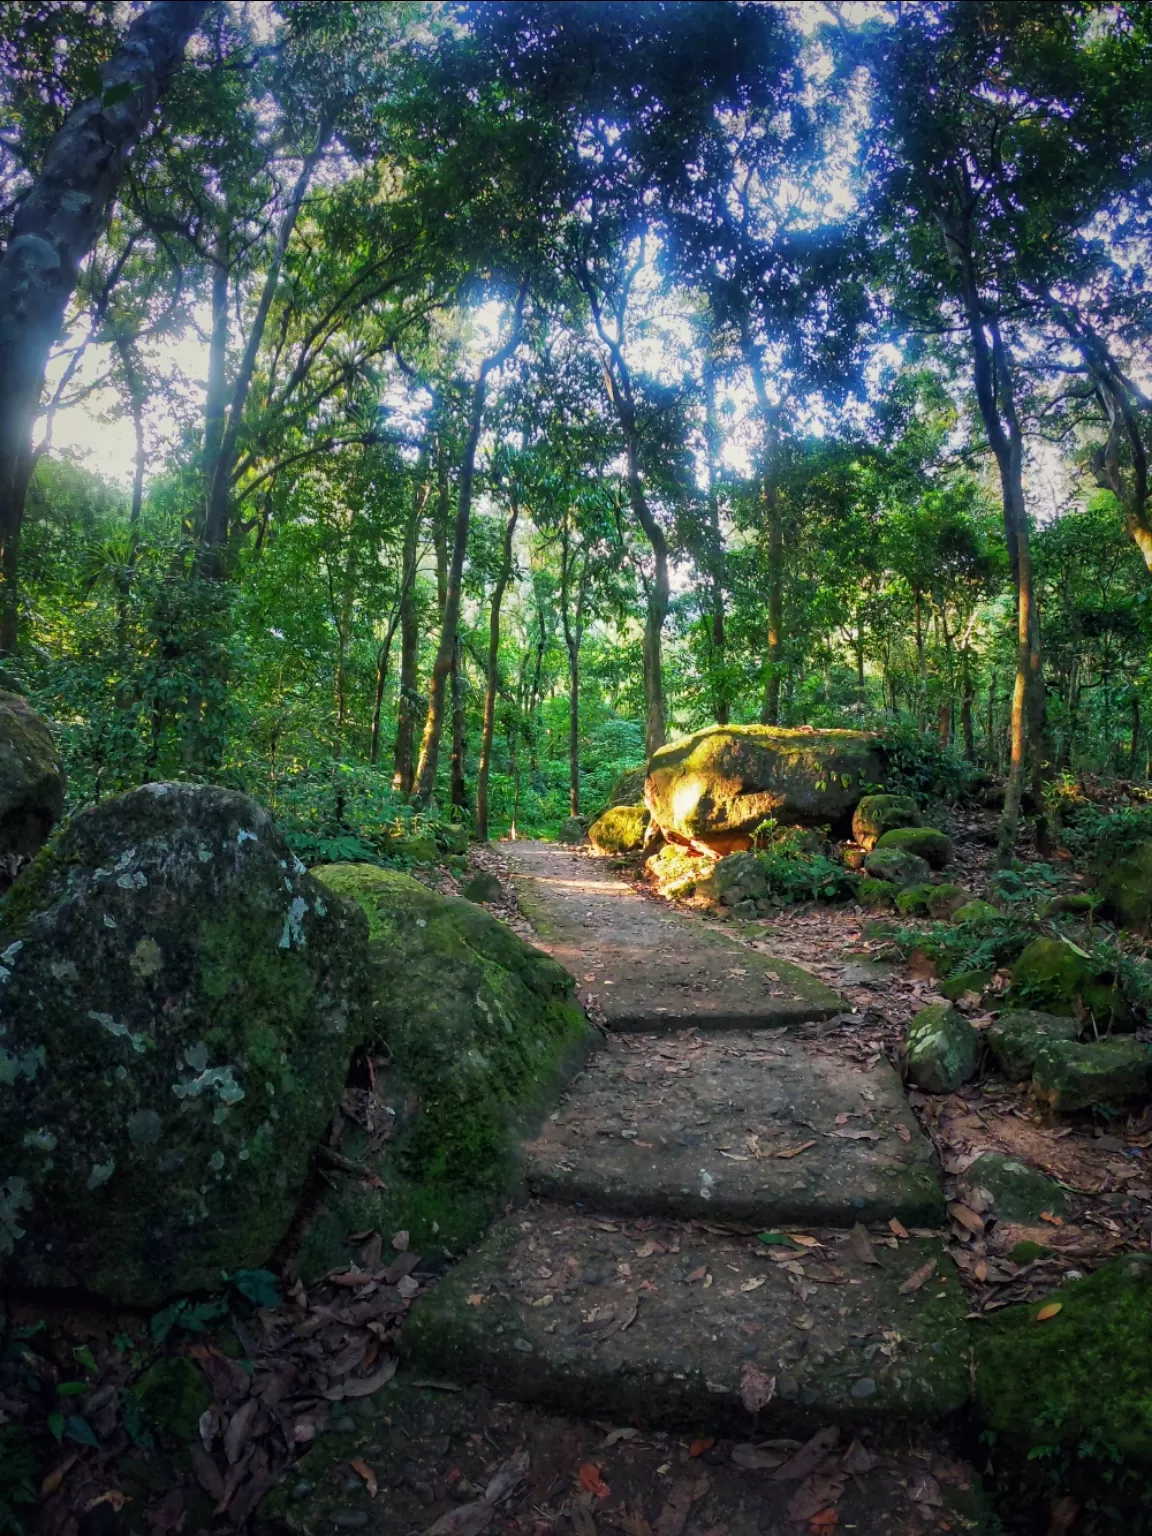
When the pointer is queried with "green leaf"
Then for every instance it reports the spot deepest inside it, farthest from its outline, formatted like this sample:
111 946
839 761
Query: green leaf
779 1240
80 1431
71 1388
56 1423
85 1357
260 1286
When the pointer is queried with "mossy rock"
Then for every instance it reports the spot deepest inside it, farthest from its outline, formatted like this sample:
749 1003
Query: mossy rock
1078 903
482 887
1056 978
678 872
898 867
852 856
1125 885
416 849
941 1049
172 1395
738 878
1019 1193
629 787
962 983
946 899
915 900
31 779
1068 1075
1081 1380
574 831
483 1033
620 830
877 895
877 814
712 790
977 913
1017 1037
935 848
452 837
179 1001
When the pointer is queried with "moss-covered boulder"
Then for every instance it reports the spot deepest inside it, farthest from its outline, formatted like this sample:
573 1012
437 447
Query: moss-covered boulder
1018 1036
877 895
1069 1075
946 899
739 877
481 887
629 787
1072 903
419 848
452 837
178 1005
620 830
964 982
678 872
1125 885
941 1049
31 779
915 900
1055 977
897 867
481 1033
1018 1192
573 831
1080 1380
712 790
935 848
877 814
978 913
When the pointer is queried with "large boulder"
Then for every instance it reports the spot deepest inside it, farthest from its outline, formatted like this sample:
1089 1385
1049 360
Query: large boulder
179 1001
478 1031
1126 887
1057 977
924 842
629 787
877 814
31 780
941 1049
711 791
1018 1036
621 829
1068 1075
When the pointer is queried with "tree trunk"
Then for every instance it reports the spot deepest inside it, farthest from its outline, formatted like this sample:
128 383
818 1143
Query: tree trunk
770 500
210 558
458 781
434 721
966 705
493 674
718 662
55 227
403 760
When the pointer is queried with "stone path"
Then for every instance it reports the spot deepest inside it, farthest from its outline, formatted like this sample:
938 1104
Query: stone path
651 1273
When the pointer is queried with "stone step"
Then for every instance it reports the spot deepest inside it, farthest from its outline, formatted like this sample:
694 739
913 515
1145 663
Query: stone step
647 967
748 1127
664 1323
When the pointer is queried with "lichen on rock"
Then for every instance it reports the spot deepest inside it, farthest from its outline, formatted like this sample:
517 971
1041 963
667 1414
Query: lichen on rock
481 1033
877 814
934 847
941 1049
178 1004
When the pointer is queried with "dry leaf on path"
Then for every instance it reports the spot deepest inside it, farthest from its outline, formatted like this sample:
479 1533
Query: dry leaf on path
926 1490
366 1385
1049 1311
897 1227
589 1475
582 1520
674 1516
698 1447
813 1496
809 1456
967 1217
464 1520
368 1475
756 1389
918 1277
795 1151
858 1459
505 1478
239 1429
756 1458
861 1245
633 1523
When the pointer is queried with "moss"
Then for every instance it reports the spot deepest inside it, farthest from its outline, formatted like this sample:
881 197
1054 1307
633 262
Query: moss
941 1049
620 830
925 842
1050 974
1027 1251
946 899
168 954
1081 1381
1076 902
1019 1193
964 981
677 871
897 866
482 1032
1018 1036
879 895
877 814
482 887
1126 887
1068 1075
914 900
171 1395
976 913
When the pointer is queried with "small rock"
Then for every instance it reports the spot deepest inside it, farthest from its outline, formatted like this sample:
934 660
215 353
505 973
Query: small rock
925 842
941 1049
898 866
865 1387
877 814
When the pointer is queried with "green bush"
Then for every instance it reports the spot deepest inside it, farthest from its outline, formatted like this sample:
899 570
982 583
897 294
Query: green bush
798 866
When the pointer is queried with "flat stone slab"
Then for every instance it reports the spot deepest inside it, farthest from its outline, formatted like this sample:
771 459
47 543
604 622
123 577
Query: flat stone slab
649 967
745 1127
668 1323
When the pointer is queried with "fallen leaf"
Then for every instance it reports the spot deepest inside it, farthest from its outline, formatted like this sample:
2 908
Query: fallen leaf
1063 1516
505 1478
858 1459
756 1458
861 1245
400 1241
582 1520
756 1389
897 1227
207 1473
364 1386
590 1479
848 1135
698 1447
804 1240
814 1496
614 1436
464 1520
55 1478
1053 1221
826 1520
696 1276
113 1497
476 1300
633 1523
967 1217
1049 1311
809 1456
674 1516
368 1475
239 1429
795 1151
926 1490
918 1277
904 1133
753 1285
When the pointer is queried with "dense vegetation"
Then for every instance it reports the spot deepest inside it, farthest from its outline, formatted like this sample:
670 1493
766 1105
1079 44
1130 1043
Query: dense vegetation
515 386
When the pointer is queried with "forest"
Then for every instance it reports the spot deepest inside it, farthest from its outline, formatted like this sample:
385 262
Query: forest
575 767
514 387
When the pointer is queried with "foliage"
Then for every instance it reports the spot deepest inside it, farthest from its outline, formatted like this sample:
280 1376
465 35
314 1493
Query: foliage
799 867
